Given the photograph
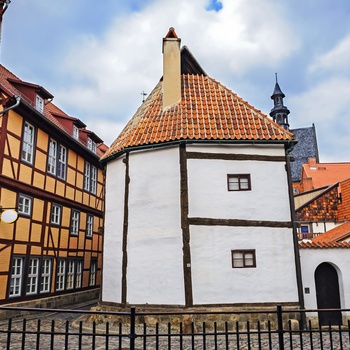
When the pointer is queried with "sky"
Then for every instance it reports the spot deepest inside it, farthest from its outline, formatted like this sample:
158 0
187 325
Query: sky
98 57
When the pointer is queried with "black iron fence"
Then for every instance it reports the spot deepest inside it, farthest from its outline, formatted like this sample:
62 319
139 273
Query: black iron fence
33 328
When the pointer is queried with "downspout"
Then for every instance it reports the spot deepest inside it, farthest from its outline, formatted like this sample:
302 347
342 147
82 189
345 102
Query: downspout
296 244
18 100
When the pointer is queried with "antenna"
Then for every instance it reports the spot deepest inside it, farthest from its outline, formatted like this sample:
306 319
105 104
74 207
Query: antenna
276 78
143 96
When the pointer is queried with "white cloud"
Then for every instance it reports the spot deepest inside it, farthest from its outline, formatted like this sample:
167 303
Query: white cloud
336 59
326 105
108 74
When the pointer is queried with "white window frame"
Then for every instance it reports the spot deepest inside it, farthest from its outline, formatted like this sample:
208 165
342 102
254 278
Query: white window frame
75 132
45 282
39 103
87 174
89 225
79 273
62 162
52 157
16 278
33 276
27 153
93 269
92 146
56 214
70 274
93 184
60 275
24 205
74 228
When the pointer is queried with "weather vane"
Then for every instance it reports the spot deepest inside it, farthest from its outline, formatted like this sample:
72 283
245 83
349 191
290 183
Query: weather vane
143 96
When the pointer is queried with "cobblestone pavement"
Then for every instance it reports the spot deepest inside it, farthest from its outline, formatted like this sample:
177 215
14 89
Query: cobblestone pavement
73 332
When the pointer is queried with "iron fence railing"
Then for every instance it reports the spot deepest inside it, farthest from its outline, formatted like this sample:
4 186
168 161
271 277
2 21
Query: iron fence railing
52 329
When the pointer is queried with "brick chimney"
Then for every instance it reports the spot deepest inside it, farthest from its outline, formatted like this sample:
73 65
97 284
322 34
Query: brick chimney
171 69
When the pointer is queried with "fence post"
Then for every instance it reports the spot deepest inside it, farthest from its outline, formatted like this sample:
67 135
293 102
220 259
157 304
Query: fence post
132 334
280 327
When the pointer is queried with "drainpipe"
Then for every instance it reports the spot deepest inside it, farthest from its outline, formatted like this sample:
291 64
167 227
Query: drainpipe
296 244
18 100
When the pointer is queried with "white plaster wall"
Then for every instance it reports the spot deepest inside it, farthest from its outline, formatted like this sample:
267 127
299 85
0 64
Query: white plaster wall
215 281
209 196
155 270
339 258
113 231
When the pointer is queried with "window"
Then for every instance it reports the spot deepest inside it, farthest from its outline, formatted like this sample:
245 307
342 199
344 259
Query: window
60 275
89 225
91 145
78 275
243 258
56 214
45 276
33 276
70 274
62 162
57 159
74 229
28 143
16 277
93 179
52 158
75 132
238 182
87 177
93 267
24 205
90 178
39 104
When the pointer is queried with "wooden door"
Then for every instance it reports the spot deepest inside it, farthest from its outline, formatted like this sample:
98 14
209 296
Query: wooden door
327 294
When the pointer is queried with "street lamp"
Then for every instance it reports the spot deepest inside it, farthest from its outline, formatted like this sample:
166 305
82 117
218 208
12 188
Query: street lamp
8 215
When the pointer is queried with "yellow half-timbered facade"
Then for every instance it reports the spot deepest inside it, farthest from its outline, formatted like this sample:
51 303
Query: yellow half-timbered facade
50 176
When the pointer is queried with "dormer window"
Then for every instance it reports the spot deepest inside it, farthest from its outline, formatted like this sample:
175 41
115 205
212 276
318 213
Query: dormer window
75 132
39 103
91 145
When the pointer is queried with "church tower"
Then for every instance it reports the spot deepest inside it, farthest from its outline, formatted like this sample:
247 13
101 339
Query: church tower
279 112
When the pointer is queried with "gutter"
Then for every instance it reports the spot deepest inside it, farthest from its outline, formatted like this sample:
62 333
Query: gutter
18 100
288 145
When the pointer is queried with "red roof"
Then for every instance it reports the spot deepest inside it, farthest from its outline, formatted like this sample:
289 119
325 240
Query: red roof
315 175
323 245
334 235
8 82
208 111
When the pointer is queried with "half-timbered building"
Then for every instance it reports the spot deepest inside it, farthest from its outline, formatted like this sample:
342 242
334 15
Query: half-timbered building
198 198
50 176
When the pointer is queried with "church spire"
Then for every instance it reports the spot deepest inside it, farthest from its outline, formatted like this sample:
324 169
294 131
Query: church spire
279 112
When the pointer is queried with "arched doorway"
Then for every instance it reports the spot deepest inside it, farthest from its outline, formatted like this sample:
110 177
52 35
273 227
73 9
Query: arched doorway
327 294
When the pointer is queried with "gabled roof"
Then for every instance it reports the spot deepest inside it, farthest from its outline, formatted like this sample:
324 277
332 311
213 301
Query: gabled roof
208 112
337 234
305 148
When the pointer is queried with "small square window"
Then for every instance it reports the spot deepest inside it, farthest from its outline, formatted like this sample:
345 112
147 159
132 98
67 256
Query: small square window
238 182
243 258
24 205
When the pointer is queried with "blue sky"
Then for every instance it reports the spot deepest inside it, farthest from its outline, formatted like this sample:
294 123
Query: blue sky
96 58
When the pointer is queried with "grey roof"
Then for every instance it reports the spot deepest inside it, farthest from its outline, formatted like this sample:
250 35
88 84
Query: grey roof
304 149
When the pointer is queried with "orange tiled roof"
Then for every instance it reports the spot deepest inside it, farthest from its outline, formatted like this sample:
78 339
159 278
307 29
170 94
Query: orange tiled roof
50 108
323 245
207 111
317 175
334 235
